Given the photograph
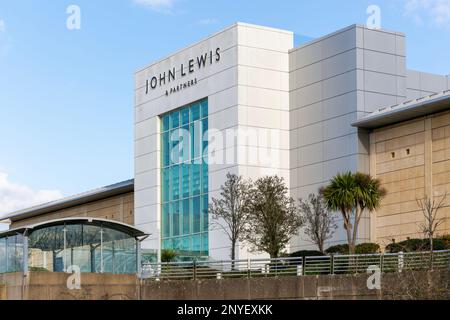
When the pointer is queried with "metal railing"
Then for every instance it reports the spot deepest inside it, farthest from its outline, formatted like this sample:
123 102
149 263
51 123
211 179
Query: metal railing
325 265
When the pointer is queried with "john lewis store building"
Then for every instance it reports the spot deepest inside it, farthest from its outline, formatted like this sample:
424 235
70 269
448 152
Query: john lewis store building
246 101
266 108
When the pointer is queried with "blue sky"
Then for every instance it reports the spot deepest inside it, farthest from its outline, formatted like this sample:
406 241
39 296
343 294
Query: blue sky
66 96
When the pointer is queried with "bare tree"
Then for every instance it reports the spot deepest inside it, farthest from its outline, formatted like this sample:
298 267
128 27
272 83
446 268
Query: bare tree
230 211
319 224
430 209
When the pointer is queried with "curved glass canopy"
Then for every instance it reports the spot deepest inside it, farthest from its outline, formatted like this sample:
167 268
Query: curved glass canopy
92 245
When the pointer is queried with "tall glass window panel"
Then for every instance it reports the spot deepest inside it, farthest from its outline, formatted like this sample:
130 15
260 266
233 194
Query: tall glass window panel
166 149
205 138
175 182
205 245
197 214
165 220
176 146
165 184
186 217
195 111
205 179
205 218
166 123
196 141
185 144
195 181
175 218
185 168
196 244
185 246
204 107
184 179
174 120
185 116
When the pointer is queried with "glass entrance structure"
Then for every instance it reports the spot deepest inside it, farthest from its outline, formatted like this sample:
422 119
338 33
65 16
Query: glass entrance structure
92 245
184 175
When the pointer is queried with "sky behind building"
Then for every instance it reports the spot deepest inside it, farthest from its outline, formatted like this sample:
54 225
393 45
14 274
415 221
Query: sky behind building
66 96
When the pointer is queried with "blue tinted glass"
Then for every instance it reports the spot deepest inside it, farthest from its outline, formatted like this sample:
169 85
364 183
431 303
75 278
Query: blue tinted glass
204 107
205 212
185 244
195 180
195 112
175 155
185 116
166 122
166 149
205 245
174 120
185 180
176 218
196 140
167 244
175 182
186 217
197 213
196 243
165 185
205 139
176 243
204 177
186 144
165 220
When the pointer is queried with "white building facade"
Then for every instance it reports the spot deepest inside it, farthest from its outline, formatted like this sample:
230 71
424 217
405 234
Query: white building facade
245 101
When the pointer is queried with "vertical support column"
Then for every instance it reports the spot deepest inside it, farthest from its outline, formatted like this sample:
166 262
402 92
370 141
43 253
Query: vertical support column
373 173
101 250
138 258
428 158
25 255
65 245
7 254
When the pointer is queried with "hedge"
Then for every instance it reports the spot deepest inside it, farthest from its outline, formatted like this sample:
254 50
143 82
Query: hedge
363 248
415 245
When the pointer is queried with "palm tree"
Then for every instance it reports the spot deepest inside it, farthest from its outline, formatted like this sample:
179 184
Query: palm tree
352 195
339 196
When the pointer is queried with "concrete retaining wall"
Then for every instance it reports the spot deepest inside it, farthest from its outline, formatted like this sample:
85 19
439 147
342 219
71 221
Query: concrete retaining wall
53 286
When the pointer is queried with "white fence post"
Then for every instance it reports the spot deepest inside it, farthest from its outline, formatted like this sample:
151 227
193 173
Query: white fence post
299 270
401 261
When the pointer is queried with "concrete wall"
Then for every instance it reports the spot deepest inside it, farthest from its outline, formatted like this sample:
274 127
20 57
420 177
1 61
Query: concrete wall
335 80
421 84
117 208
412 159
52 286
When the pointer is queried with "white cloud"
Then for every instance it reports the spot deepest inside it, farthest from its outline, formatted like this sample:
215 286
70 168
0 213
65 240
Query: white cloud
207 21
435 11
157 5
14 196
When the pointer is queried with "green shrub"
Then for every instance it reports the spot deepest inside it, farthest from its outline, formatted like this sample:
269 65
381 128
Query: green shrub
362 248
168 255
367 248
306 253
446 239
38 269
338 249
415 245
